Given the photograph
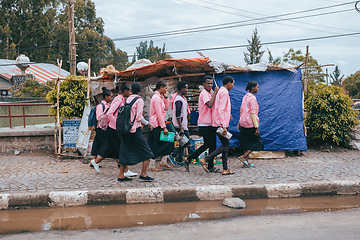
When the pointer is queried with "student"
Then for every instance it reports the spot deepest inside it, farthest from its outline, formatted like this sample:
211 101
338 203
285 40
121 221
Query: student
113 139
100 137
205 103
158 105
250 139
179 119
134 148
221 116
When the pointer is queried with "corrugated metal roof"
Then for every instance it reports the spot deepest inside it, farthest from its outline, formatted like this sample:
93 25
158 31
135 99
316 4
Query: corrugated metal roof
43 72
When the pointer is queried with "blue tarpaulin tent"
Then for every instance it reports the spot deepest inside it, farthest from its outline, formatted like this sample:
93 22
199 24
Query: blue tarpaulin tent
280 102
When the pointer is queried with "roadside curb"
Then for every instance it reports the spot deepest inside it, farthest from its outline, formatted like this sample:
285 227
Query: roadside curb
175 194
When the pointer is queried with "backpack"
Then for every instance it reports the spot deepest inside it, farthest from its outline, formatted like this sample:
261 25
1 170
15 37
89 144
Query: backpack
123 123
92 121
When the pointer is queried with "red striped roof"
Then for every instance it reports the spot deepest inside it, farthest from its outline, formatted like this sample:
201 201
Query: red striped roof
42 72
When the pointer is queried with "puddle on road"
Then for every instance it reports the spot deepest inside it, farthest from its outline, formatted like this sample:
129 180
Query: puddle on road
130 215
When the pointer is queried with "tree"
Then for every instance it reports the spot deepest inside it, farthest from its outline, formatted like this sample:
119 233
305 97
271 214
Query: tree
32 88
270 58
151 52
352 85
254 54
314 75
31 24
336 76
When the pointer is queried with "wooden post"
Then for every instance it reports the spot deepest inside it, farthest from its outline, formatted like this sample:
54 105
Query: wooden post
88 80
72 46
306 64
57 108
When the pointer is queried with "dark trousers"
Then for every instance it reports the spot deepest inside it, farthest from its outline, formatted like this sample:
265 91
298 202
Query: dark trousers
179 152
223 149
209 136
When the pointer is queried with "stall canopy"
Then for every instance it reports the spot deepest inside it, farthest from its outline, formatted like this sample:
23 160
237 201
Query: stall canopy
280 95
280 108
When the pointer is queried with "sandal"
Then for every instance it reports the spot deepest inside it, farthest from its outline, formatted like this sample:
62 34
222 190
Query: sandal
228 172
203 164
186 164
214 170
166 166
155 169
248 165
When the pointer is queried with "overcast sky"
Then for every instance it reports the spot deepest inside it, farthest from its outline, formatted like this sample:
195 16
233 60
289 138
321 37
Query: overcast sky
137 17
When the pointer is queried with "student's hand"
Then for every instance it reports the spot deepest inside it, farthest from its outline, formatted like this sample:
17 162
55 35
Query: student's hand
231 117
181 132
257 132
224 132
166 132
151 127
165 95
216 90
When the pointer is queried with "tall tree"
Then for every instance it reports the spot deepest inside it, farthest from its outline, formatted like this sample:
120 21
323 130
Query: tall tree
315 75
270 58
254 54
336 76
27 25
151 52
352 85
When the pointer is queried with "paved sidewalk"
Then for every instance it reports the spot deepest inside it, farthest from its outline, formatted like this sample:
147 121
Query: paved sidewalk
39 172
43 173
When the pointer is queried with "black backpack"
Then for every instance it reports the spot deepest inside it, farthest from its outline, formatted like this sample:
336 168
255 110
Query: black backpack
123 123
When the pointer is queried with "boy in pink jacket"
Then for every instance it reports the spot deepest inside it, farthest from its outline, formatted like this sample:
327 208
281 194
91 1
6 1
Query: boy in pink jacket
221 116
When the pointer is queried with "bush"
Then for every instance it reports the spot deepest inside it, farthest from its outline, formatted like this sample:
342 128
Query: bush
330 115
72 97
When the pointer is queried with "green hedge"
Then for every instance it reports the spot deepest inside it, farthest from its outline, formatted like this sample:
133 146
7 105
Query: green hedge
330 115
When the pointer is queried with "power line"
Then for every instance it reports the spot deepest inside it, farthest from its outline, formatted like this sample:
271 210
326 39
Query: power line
223 47
315 9
197 29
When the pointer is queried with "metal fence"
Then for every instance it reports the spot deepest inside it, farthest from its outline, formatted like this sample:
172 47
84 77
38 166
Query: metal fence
18 110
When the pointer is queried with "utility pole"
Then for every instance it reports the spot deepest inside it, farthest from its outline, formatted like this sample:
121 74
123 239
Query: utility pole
306 64
72 46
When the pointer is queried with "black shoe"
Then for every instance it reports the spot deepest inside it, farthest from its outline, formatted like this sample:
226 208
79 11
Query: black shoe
147 178
125 179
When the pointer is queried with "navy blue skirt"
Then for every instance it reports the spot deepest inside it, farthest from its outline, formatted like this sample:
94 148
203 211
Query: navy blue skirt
250 141
134 148
159 148
99 142
111 145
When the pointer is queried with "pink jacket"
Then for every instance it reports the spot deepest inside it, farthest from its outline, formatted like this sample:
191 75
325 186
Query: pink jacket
118 101
222 109
158 106
249 105
100 112
137 110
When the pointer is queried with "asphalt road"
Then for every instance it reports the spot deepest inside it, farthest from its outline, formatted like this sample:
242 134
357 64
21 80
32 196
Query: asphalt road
316 225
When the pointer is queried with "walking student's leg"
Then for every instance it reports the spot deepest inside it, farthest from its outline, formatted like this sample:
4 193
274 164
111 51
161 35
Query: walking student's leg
121 177
211 142
224 154
205 133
